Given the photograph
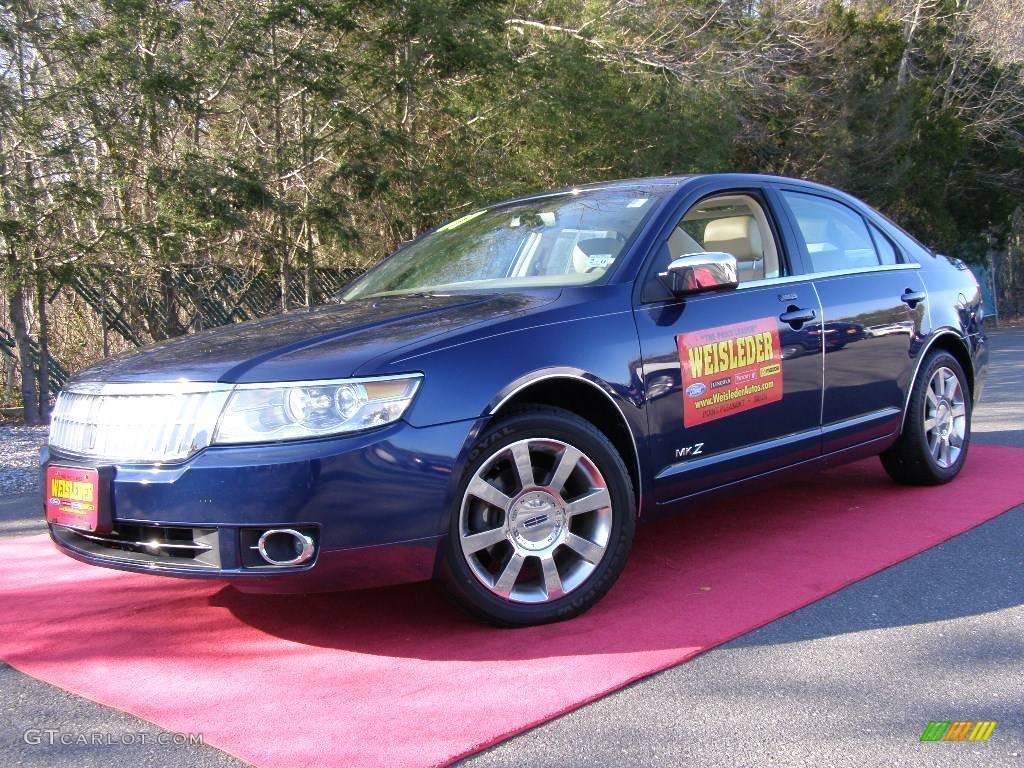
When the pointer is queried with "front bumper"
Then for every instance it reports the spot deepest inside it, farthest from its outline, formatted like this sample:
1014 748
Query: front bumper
375 503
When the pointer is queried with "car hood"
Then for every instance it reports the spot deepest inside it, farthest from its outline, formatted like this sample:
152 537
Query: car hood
331 341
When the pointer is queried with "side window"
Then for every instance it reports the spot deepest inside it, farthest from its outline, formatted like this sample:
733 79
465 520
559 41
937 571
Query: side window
886 250
836 236
734 224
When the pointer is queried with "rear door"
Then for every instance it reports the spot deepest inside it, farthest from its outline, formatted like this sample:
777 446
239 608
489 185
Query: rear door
873 302
732 380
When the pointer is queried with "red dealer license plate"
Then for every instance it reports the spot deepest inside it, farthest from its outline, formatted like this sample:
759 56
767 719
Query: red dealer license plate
73 497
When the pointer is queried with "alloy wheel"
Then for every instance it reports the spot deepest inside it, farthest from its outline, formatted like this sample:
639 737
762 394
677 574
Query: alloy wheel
535 521
945 417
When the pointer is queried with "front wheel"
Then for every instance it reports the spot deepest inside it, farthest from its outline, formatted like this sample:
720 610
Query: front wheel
544 520
937 429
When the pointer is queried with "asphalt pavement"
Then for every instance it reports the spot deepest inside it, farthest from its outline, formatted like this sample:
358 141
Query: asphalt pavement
851 680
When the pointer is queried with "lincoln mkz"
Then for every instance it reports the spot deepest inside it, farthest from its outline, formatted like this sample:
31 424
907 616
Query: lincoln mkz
499 403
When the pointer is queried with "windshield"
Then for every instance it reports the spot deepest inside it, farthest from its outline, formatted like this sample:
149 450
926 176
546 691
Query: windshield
566 239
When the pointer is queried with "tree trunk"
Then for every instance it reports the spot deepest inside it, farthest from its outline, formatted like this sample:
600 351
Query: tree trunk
8 378
310 275
169 304
19 321
282 230
17 269
44 351
307 224
909 30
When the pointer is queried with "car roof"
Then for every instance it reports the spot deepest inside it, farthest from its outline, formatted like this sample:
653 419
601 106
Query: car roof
678 182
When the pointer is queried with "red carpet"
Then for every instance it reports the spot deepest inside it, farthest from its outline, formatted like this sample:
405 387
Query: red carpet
397 678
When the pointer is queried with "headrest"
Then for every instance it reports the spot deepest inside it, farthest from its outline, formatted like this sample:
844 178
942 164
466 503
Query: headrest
681 244
738 235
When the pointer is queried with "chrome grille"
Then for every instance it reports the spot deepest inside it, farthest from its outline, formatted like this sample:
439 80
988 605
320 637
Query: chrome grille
136 422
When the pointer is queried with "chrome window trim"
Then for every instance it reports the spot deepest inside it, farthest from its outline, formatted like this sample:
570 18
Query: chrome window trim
769 281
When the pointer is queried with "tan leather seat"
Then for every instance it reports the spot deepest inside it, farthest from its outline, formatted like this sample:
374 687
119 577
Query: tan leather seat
740 236
681 244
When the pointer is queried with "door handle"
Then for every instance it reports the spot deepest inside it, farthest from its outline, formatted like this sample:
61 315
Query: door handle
796 316
911 297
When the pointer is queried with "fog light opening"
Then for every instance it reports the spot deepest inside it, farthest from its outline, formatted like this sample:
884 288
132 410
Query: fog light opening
285 546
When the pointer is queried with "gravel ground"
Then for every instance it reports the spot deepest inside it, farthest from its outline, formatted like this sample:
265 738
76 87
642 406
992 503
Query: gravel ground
19 459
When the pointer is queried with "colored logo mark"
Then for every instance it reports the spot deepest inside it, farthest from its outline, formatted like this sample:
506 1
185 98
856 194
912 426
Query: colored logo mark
958 730
696 390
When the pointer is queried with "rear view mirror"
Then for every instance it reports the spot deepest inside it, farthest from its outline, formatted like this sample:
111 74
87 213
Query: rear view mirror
701 272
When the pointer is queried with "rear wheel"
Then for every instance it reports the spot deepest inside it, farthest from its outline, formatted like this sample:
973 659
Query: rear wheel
544 520
937 428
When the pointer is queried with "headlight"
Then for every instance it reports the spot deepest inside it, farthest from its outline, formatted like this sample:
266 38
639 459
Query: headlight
292 410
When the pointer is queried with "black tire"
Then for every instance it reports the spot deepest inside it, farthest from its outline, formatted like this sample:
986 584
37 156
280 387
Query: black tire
556 425
911 461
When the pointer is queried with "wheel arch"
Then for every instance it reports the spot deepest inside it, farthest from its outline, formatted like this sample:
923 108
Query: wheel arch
946 340
587 399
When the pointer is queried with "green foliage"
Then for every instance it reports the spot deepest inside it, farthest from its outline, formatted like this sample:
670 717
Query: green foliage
289 133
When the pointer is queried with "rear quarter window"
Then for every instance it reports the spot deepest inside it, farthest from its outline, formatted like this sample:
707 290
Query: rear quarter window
836 236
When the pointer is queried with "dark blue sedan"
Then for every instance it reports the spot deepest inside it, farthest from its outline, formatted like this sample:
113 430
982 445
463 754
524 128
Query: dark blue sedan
501 400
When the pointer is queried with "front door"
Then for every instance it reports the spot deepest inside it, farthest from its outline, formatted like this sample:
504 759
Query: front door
733 379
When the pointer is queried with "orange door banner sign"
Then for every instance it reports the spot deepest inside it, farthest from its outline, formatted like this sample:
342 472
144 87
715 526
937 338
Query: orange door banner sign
730 369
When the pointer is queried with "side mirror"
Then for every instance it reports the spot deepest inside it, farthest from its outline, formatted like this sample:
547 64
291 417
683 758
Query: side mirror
701 272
